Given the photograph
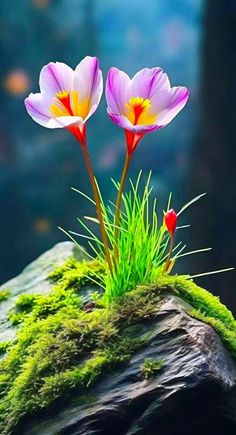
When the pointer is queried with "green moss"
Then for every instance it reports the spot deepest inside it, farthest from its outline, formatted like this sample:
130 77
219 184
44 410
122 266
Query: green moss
151 367
227 334
4 346
207 308
73 274
23 306
60 348
4 294
41 306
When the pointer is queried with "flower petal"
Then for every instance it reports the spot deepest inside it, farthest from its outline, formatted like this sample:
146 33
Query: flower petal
55 77
172 104
92 109
146 82
123 122
88 82
152 84
65 121
88 78
37 108
117 88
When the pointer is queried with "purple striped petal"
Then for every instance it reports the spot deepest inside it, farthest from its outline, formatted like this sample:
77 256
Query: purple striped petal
152 84
55 77
175 101
88 78
37 108
146 82
123 122
117 87
88 82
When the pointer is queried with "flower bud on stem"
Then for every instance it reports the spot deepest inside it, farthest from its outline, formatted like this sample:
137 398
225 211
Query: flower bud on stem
170 219
168 261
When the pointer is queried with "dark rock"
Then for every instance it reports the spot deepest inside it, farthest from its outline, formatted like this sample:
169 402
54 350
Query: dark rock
195 392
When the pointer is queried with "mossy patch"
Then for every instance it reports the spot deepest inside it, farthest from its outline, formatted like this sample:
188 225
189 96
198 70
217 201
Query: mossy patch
4 346
151 367
73 275
4 294
61 348
206 308
226 333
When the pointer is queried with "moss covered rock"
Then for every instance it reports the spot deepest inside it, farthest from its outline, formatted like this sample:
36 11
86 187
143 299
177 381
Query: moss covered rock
72 365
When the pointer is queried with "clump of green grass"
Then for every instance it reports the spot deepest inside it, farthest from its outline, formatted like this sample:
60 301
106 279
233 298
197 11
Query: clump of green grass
151 367
141 244
140 248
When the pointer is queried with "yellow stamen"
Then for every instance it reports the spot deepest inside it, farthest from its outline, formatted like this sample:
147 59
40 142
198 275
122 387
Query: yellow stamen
61 95
79 108
144 103
68 104
58 110
74 101
139 111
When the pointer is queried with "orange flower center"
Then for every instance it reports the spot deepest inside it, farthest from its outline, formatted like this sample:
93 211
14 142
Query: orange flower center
68 104
139 111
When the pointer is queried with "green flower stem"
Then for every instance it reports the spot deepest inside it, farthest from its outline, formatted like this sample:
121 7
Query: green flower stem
118 203
98 205
167 264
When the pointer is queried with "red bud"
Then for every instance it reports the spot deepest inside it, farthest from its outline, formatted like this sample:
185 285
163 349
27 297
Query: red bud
170 219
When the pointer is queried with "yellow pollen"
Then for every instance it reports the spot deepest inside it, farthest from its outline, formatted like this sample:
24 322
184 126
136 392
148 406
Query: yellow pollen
138 111
67 103
58 111
143 103
62 94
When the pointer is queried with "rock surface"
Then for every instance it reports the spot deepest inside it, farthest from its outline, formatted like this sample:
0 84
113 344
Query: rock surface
33 279
194 393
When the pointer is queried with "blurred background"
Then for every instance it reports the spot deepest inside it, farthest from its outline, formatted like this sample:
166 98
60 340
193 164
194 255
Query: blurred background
194 41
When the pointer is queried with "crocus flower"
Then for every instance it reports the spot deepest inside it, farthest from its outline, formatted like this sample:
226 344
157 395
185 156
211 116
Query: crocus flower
67 97
145 103
170 219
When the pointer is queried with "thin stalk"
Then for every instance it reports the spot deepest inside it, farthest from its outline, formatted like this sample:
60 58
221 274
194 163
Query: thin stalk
118 202
98 205
170 253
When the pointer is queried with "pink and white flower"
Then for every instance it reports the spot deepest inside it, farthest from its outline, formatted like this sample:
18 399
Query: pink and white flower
145 103
67 97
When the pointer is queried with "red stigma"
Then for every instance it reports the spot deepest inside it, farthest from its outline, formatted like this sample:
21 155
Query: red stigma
64 98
